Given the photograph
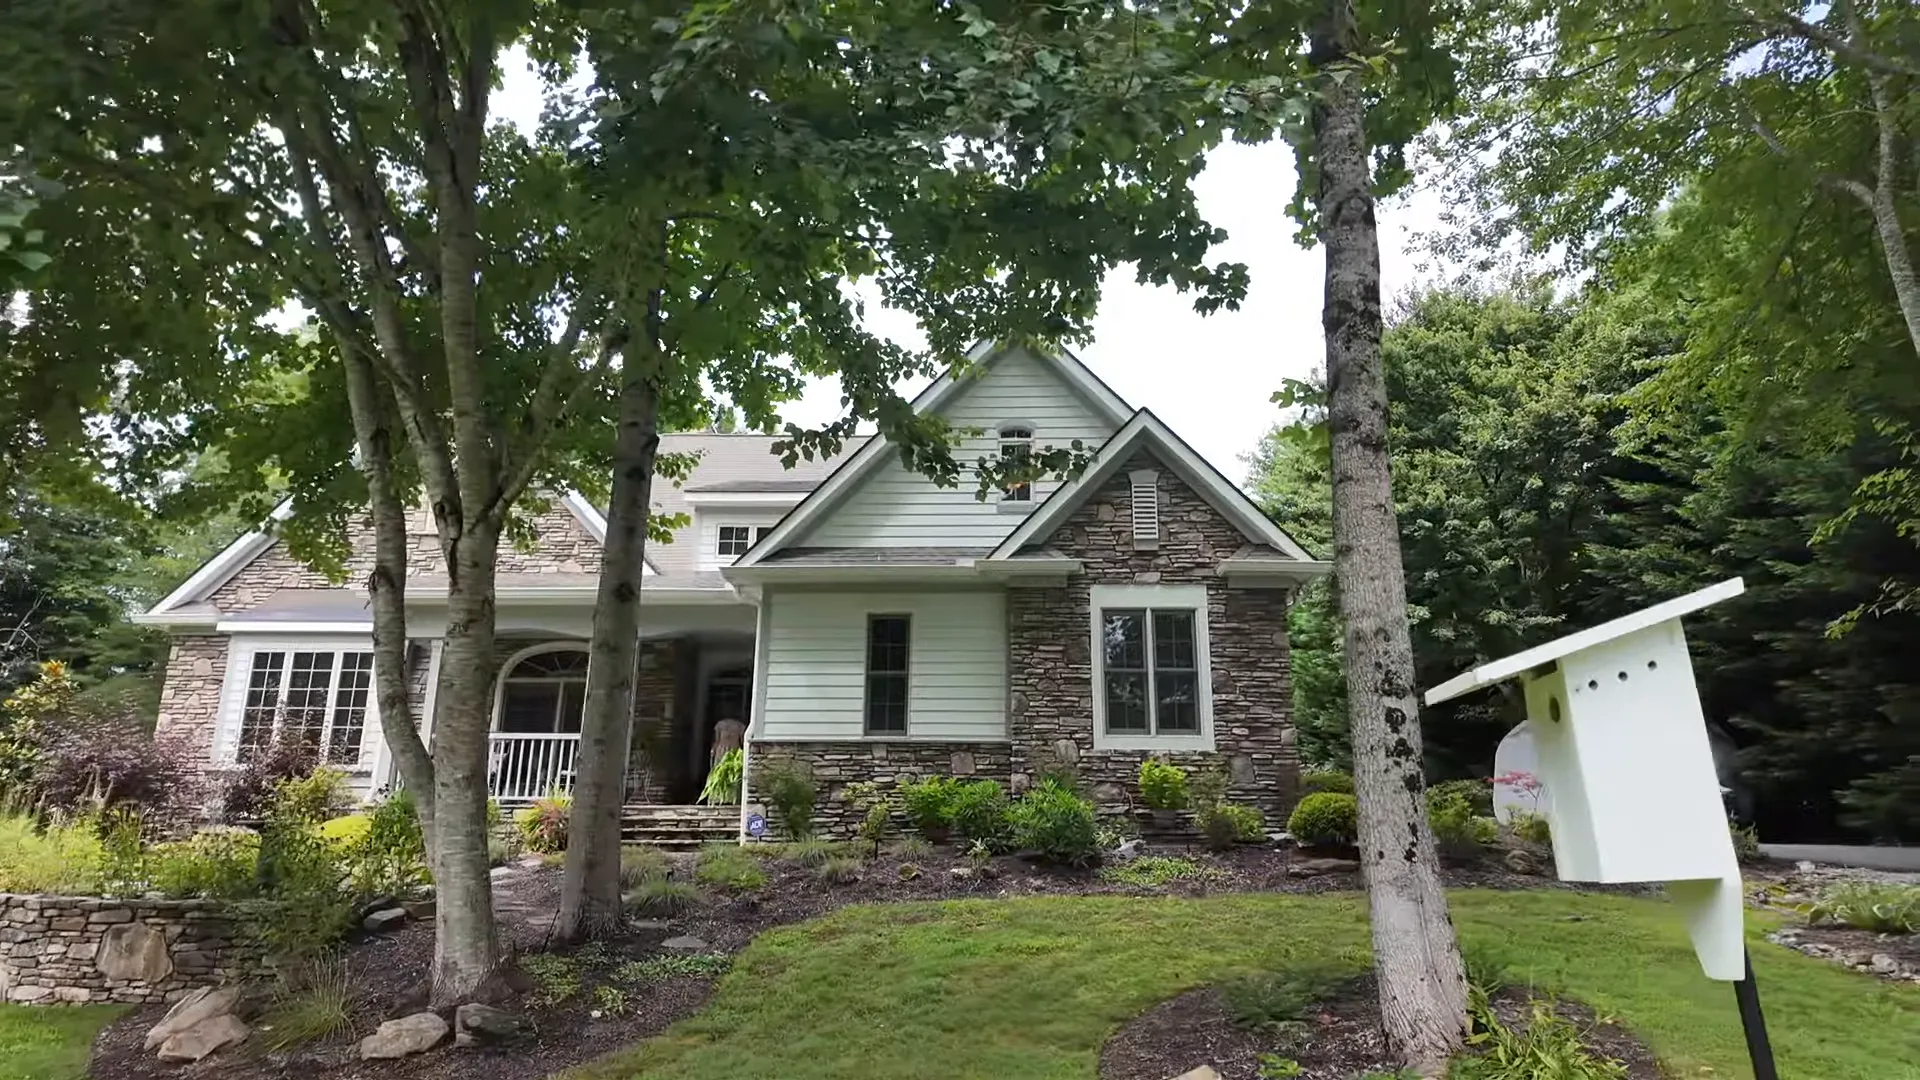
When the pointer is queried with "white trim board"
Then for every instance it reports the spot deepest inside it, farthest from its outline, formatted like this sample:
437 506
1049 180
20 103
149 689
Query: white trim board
872 455
1525 661
1191 598
1148 430
220 569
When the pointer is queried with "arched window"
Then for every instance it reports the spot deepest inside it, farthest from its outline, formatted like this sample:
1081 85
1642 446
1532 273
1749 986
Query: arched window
1016 447
544 691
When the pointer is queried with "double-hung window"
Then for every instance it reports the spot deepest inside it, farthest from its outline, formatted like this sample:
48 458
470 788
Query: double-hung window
1016 450
734 541
1151 671
320 697
888 644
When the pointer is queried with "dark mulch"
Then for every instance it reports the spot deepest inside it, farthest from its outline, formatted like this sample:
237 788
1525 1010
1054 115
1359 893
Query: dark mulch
1861 946
389 972
1342 1040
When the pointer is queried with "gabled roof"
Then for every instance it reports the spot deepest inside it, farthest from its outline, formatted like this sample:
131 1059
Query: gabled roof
1146 431
981 358
183 606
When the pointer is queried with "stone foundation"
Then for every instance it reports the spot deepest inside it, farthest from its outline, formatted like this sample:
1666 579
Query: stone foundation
76 950
887 764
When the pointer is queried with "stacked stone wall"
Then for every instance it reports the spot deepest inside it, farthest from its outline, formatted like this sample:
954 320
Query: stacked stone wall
76 950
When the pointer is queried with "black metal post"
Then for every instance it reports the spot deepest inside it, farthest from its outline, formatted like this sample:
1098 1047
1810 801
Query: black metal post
1759 1049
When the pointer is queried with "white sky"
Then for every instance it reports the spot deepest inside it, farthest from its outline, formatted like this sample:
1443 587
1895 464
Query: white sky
1209 377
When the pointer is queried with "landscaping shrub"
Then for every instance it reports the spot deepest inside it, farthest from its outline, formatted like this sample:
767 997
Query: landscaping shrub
913 847
789 788
723 781
307 1007
1477 793
1548 1045
1279 997
1163 785
1746 842
838 870
1054 822
61 855
346 831
928 803
1152 871
215 864
1531 828
662 898
656 968
979 812
390 858
303 906
639 863
1457 830
1863 905
543 824
1227 824
312 797
1339 783
812 852
729 866
1327 818
1208 787
246 791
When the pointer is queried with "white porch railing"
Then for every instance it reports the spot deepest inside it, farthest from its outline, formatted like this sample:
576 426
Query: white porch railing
525 767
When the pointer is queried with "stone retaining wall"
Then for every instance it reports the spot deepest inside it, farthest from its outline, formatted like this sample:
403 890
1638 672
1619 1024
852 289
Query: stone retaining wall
78 949
834 765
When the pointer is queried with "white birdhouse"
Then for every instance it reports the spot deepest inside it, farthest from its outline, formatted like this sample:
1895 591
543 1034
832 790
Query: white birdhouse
1627 773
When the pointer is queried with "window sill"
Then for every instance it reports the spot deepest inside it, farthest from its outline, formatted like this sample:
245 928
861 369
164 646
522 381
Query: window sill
1017 507
1154 743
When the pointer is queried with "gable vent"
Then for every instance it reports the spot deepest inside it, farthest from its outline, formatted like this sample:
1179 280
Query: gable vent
1146 508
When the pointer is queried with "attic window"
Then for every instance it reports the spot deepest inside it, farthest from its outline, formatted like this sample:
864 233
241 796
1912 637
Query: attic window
1146 508
1016 447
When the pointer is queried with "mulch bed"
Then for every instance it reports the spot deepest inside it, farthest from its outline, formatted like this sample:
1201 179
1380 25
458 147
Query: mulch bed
1341 1041
1860 946
388 972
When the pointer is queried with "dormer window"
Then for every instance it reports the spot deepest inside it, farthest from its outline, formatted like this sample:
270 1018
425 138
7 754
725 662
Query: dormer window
1016 448
734 540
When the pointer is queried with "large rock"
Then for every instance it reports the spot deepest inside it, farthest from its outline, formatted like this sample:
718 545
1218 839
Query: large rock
685 943
203 1038
1521 861
475 1022
1204 1072
203 1004
1317 867
414 1034
392 918
135 952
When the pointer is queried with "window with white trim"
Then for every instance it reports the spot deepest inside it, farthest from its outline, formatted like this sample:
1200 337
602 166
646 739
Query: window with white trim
1016 448
734 541
1151 669
544 693
889 639
320 697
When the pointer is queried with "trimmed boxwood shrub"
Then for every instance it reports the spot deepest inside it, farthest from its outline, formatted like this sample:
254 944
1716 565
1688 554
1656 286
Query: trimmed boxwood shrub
1329 818
1163 785
1312 783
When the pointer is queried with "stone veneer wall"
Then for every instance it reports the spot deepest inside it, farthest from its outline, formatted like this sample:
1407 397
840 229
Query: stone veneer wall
1049 642
834 765
75 949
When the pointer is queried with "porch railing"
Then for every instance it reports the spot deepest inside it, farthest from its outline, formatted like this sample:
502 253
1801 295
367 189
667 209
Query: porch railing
525 767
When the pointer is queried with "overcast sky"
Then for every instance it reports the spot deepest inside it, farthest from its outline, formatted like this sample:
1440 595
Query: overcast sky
1209 377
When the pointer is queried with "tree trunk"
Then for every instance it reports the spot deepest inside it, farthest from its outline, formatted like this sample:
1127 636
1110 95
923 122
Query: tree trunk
465 948
1423 1001
590 896
1884 203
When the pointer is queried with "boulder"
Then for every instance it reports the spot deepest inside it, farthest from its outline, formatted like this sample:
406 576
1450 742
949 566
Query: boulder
421 910
685 943
392 918
1882 964
414 1034
1521 861
1204 1072
475 1022
203 1004
135 952
210 1034
1317 867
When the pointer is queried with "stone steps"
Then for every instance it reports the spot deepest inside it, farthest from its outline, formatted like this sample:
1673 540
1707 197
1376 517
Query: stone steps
679 827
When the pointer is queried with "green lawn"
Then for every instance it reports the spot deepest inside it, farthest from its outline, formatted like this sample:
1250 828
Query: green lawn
49 1044
1030 988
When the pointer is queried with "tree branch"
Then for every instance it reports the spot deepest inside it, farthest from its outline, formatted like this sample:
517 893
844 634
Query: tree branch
1849 48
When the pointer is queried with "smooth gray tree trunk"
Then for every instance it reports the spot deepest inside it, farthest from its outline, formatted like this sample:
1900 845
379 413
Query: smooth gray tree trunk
590 894
1422 985
465 946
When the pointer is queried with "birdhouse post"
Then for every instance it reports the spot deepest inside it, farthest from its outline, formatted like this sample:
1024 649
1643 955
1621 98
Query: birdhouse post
1629 787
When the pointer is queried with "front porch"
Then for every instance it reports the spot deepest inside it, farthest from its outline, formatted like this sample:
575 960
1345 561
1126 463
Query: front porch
684 686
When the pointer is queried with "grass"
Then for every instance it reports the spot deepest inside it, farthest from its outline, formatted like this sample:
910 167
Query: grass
48 1043
1029 989
1151 871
